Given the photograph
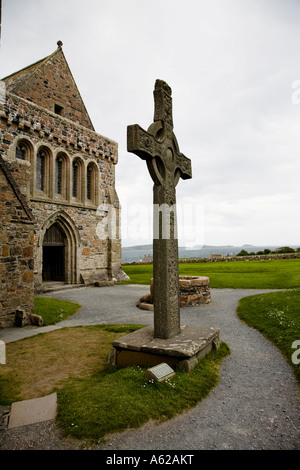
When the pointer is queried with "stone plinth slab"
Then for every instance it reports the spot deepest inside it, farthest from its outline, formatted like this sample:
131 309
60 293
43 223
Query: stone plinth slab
183 350
33 411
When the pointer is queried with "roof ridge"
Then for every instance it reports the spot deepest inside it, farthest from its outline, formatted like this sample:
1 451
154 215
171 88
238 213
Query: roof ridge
35 66
17 79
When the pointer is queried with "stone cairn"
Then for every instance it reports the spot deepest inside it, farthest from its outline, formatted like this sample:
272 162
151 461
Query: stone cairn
194 291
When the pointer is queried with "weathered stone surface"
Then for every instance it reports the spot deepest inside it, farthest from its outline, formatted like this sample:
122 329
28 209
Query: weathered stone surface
42 109
36 320
187 343
142 348
184 283
193 290
33 411
16 252
21 318
167 341
147 298
159 373
159 147
146 306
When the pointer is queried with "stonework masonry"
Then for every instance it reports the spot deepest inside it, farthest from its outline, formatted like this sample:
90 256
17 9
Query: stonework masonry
16 253
49 83
193 291
65 172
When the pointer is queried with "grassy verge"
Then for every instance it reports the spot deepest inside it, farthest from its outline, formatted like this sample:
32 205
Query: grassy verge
94 400
264 274
277 316
138 273
37 365
54 310
110 401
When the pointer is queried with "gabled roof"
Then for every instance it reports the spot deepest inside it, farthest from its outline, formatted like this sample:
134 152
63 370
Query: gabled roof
47 82
15 80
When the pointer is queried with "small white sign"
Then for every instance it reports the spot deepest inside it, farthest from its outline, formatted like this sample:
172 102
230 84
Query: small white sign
2 353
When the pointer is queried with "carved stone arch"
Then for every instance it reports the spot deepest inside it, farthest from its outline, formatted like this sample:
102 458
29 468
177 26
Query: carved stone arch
28 152
68 240
23 151
61 150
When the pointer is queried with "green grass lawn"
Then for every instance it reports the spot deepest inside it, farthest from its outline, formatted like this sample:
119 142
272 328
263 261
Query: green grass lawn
54 310
94 400
264 274
113 400
277 316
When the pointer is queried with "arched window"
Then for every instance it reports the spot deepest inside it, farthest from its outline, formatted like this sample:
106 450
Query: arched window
77 179
40 170
91 183
58 174
61 175
24 150
21 151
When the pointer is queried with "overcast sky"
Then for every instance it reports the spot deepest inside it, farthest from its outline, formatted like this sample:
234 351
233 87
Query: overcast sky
234 69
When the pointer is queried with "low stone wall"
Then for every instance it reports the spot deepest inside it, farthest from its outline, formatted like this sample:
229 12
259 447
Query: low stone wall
194 290
242 258
229 258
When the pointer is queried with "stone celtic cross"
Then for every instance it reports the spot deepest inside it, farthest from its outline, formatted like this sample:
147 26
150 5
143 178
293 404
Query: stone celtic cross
159 147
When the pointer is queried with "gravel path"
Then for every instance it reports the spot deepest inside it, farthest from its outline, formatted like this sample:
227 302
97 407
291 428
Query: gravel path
255 406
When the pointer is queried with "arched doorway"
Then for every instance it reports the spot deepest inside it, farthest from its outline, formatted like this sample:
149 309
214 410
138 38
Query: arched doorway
54 254
57 251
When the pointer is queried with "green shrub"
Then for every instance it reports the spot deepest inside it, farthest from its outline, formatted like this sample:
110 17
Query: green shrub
284 249
243 253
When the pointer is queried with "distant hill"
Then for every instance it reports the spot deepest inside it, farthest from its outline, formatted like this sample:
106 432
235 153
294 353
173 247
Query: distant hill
137 252
138 247
200 247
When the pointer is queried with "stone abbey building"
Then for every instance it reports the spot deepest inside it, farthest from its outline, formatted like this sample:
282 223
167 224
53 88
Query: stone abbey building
59 206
